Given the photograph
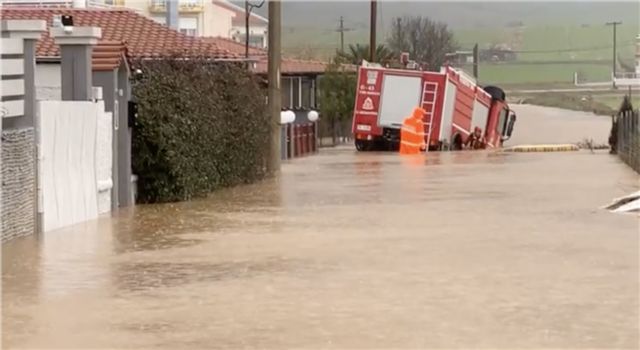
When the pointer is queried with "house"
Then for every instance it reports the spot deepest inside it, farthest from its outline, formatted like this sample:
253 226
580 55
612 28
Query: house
299 78
498 53
460 58
195 17
126 35
258 25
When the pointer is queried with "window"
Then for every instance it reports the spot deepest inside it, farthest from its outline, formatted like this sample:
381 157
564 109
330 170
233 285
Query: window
501 121
306 93
188 25
295 92
189 32
285 92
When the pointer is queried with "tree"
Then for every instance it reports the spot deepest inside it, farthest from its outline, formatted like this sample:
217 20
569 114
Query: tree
426 40
357 53
337 94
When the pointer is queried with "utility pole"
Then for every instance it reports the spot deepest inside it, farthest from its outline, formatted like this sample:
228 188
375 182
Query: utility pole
615 25
247 16
341 29
372 31
246 28
273 162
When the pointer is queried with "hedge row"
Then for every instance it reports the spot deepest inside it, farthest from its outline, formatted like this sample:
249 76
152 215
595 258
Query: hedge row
201 126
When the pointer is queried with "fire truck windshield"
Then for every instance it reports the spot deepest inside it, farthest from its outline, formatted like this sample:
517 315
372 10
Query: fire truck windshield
502 121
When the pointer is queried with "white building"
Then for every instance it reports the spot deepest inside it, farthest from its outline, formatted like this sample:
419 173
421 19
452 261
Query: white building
257 25
210 18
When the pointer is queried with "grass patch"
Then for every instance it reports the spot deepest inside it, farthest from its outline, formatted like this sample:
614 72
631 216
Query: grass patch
556 73
568 101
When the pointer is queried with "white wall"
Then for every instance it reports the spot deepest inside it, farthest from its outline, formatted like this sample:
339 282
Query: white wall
74 155
48 84
216 20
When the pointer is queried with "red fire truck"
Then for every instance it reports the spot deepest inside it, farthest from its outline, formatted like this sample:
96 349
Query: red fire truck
455 105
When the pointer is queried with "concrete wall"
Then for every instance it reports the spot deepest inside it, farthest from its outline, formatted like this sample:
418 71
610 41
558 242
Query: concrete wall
18 183
48 84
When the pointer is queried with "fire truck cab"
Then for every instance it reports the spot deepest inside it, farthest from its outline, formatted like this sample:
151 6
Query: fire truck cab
455 105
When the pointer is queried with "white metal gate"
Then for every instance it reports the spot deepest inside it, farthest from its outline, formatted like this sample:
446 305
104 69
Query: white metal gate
69 161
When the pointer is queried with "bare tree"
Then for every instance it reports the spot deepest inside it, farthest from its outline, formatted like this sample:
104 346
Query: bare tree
426 40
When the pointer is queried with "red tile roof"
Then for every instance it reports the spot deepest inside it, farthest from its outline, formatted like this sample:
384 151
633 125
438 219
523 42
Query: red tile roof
144 38
108 55
288 65
235 47
293 66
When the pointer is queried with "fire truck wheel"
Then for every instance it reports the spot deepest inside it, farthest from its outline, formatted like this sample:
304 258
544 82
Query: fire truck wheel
363 145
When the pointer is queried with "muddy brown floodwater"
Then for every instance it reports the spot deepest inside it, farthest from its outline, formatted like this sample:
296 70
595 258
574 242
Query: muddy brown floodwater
346 251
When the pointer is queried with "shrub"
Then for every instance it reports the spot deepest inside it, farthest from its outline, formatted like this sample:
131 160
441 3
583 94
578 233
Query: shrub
201 126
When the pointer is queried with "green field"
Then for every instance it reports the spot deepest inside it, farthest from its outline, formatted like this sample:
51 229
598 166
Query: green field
542 43
601 103
506 74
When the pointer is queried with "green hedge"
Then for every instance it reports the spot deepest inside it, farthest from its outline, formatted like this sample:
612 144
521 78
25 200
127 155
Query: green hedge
201 126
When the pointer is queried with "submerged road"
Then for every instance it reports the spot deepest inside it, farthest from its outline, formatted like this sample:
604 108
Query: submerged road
348 250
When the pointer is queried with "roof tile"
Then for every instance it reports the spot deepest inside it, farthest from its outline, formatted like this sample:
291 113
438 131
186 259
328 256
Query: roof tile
108 55
288 65
144 37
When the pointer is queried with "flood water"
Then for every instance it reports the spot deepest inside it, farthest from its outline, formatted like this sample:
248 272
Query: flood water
348 251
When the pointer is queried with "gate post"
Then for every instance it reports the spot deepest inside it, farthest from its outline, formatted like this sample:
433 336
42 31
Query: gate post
75 52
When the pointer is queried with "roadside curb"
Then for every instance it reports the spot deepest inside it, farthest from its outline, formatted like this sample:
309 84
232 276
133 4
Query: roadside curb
543 148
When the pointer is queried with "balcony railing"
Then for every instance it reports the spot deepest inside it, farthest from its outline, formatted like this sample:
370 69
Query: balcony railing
184 6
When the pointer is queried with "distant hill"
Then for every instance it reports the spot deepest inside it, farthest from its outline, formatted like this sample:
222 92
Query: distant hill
555 39
458 14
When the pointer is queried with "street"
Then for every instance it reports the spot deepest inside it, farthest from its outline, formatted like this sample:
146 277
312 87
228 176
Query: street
353 250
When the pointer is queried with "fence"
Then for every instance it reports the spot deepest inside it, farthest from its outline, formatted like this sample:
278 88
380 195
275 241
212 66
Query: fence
299 139
628 140
56 156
